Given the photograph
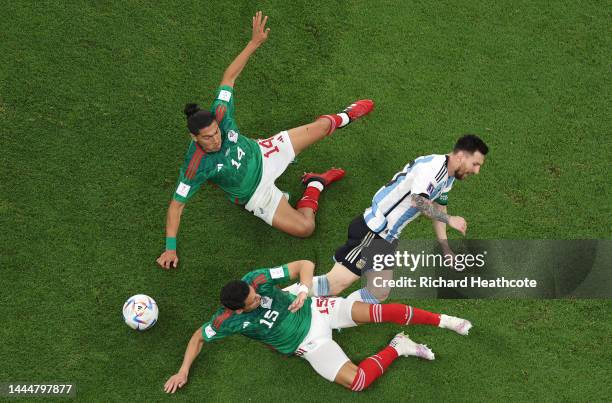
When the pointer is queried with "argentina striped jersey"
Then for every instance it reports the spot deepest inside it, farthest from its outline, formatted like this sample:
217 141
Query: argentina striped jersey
392 208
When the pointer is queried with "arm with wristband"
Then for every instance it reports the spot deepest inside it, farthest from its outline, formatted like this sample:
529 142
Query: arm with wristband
169 258
304 269
188 185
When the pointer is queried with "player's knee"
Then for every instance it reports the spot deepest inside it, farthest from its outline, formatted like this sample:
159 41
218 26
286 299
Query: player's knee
346 375
383 296
304 228
381 293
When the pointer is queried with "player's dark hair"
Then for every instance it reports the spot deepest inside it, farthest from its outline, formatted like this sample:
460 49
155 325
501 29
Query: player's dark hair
197 118
234 294
471 143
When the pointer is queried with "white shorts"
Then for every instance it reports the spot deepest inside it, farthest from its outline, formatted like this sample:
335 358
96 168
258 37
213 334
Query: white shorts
318 348
276 154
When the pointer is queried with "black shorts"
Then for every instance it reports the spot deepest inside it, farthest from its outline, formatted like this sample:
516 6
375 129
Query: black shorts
358 252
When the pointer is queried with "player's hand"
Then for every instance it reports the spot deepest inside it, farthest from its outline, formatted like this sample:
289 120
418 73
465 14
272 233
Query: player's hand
175 382
168 259
458 223
298 302
260 32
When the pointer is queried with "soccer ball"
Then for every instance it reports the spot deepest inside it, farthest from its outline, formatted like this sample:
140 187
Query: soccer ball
140 312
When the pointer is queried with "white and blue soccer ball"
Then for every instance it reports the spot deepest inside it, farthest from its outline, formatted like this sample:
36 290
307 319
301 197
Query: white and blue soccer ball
140 312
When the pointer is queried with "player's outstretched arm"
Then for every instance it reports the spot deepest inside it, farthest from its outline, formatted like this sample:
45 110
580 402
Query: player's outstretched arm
304 269
426 207
258 37
179 379
169 258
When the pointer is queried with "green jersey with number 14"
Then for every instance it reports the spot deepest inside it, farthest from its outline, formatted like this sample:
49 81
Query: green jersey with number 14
271 322
236 167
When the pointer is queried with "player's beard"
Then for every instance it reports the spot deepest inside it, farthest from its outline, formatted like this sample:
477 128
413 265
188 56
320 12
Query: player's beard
461 175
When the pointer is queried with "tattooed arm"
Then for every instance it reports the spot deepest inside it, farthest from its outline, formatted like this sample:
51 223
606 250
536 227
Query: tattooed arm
427 208
439 228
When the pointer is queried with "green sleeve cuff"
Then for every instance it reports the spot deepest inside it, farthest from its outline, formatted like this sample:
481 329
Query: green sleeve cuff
442 199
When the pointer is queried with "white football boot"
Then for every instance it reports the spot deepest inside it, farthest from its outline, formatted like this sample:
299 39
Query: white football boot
406 347
461 326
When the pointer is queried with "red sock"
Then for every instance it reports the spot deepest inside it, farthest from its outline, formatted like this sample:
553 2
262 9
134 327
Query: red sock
403 315
335 121
422 317
373 367
310 199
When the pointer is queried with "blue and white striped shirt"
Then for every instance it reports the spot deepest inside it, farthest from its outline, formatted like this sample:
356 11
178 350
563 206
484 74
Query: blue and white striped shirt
392 208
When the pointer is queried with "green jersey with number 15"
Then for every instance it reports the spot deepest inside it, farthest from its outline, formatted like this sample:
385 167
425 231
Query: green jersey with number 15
271 322
236 167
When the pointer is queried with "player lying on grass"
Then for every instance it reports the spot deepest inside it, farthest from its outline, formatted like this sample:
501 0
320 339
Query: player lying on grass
420 188
302 326
246 169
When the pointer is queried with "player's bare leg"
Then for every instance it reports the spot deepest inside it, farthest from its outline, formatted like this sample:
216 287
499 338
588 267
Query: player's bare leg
338 279
304 136
299 223
359 377
406 315
371 293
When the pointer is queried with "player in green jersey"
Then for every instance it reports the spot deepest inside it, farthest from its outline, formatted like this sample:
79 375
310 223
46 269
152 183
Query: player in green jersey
297 325
246 169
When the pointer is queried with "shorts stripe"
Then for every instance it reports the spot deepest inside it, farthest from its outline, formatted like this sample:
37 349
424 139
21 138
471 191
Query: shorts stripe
352 255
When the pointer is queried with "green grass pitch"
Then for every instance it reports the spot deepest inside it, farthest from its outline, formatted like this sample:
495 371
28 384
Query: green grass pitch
92 135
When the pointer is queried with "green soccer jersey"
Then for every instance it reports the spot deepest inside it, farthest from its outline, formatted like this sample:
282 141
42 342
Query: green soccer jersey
236 167
271 323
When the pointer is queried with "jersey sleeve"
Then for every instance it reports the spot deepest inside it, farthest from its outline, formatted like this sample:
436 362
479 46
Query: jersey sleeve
267 277
219 326
187 186
192 174
424 181
223 107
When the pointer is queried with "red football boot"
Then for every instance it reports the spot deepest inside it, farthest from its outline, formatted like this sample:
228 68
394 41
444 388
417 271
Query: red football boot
354 111
326 178
359 108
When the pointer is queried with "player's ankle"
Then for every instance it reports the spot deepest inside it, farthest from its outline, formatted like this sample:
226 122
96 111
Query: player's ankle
345 119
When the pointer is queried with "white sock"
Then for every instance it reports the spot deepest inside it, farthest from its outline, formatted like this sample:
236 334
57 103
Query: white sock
320 286
316 184
345 119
